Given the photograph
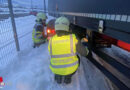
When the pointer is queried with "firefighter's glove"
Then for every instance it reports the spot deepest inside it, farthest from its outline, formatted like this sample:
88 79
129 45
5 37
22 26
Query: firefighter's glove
87 51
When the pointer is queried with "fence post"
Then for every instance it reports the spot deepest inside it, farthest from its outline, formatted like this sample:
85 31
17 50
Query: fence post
45 6
13 24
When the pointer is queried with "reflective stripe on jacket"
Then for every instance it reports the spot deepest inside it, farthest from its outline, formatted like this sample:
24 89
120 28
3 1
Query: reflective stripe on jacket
62 49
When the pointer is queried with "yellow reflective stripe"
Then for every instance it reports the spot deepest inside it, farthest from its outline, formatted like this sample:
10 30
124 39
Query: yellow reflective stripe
63 55
71 44
37 36
61 41
64 66
62 61
51 47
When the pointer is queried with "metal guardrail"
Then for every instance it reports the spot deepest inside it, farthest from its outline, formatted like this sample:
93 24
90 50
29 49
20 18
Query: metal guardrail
118 73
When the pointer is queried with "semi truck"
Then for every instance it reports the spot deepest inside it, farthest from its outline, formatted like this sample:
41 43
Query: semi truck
104 23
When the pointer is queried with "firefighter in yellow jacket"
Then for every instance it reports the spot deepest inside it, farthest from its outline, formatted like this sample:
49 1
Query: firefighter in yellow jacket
38 35
63 48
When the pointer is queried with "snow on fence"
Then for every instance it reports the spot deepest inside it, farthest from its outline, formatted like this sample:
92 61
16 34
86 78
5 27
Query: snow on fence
7 45
24 25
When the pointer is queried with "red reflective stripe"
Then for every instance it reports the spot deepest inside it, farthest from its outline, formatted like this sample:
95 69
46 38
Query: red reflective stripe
124 45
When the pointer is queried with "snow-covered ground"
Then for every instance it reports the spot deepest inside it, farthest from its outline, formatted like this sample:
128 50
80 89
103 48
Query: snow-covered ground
17 10
5 10
24 26
29 69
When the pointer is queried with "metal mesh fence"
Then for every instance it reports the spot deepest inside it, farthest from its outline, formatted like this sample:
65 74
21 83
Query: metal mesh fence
24 11
7 44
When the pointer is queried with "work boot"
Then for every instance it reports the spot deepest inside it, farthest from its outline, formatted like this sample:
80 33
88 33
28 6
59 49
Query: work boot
67 79
58 79
34 46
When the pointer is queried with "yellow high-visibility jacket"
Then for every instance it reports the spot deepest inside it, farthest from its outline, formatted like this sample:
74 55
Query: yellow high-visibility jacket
62 49
37 35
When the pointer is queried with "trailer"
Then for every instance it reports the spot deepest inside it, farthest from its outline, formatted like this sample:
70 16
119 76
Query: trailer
105 23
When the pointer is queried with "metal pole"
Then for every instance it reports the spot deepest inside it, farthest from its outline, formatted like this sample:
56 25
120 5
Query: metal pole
13 24
45 6
32 5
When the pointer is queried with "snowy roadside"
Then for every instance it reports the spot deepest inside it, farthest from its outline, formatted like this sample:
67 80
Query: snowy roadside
30 71
24 26
27 72
30 68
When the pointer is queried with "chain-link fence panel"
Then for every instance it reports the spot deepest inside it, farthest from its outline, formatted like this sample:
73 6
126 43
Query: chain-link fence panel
7 42
24 12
